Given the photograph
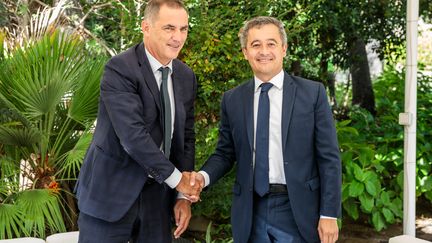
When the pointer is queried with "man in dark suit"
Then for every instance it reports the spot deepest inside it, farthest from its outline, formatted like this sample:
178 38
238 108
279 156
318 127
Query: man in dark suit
280 131
144 138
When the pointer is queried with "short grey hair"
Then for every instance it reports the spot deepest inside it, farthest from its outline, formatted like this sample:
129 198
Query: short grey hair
257 22
153 7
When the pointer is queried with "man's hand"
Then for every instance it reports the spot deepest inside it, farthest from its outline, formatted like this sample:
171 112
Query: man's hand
182 214
328 230
197 178
185 187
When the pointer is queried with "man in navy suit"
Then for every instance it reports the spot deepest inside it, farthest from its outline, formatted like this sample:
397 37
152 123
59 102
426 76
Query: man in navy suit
280 132
144 138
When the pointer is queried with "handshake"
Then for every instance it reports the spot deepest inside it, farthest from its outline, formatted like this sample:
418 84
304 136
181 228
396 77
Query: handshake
191 185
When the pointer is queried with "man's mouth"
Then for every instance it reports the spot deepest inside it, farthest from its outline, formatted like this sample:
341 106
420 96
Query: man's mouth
264 59
174 46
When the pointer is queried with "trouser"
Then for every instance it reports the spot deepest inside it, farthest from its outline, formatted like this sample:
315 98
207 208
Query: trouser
273 220
147 221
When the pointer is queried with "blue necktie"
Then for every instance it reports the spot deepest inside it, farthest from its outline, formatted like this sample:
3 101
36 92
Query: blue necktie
261 175
166 108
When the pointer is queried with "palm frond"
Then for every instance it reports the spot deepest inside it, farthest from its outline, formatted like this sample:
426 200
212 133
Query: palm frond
71 162
12 218
9 113
35 79
2 44
42 212
84 102
9 177
8 168
17 136
42 22
45 20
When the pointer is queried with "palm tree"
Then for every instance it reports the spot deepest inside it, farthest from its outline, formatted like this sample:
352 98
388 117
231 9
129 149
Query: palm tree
48 102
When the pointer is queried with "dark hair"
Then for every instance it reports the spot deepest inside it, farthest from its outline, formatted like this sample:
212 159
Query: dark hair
153 7
258 22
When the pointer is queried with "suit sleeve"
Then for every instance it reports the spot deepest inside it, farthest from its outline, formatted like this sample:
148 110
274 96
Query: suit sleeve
222 160
125 110
327 157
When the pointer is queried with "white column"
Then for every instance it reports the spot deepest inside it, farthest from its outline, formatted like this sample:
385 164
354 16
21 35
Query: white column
409 120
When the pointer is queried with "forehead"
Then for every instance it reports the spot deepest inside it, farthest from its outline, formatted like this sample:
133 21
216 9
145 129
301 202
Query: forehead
265 32
171 16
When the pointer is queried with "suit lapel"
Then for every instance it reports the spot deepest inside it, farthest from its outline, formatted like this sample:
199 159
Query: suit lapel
248 103
178 91
147 73
289 92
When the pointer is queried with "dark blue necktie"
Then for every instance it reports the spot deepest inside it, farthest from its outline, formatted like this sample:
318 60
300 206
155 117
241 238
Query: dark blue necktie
262 142
166 108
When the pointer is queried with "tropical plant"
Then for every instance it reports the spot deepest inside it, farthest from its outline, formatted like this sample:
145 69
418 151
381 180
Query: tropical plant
48 98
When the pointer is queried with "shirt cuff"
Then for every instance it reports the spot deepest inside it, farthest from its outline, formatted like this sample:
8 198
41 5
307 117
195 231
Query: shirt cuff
174 179
181 196
206 177
326 217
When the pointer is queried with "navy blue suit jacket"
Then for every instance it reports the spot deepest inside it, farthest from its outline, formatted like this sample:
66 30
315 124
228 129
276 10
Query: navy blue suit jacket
310 153
128 135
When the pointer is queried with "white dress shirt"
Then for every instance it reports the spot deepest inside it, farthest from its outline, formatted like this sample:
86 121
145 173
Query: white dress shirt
174 179
275 93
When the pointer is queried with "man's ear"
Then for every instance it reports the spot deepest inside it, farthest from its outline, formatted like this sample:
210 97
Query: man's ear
285 48
145 26
244 53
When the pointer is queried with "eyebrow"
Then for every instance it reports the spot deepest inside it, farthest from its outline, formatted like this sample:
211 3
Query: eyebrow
271 39
274 40
173 26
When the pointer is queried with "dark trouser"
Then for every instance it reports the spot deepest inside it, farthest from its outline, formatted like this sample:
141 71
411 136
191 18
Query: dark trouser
273 220
148 220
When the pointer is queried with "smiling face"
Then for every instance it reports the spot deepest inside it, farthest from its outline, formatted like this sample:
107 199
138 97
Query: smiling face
165 33
265 51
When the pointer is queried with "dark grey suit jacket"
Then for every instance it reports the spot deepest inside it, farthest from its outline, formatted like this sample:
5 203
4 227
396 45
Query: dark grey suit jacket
310 152
128 135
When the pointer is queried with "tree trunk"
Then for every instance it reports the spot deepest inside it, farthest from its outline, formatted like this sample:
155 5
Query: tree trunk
329 80
296 68
362 91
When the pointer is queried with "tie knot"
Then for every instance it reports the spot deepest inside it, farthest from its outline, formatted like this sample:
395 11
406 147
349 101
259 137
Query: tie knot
265 87
164 71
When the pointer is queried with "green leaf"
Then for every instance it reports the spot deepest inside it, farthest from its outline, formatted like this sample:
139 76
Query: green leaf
21 137
208 233
400 179
42 212
70 163
385 198
428 195
367 202
345 192
12 222
356 188
427 183
378 221
351 208
388 215
358 172
370 188
365 156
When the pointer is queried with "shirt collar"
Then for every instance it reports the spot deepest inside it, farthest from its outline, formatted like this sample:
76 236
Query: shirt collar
277 81
155 64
